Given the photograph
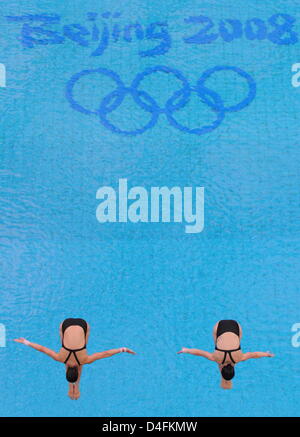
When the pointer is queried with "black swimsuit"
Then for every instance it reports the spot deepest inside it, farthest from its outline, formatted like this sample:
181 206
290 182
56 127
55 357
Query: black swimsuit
73 322
228 326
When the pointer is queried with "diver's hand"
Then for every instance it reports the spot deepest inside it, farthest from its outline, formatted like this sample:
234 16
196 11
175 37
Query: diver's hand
126 349
269 354
22 340
184 350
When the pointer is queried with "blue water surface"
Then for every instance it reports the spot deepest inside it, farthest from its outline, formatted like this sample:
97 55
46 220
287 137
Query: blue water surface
149 286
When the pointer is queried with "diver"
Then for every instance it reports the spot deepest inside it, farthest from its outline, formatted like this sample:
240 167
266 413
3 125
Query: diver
74 334
227 336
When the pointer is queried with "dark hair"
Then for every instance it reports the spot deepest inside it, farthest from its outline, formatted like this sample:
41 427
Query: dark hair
72 374
228 372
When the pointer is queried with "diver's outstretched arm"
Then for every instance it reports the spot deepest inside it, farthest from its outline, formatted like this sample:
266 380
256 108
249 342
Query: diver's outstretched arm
197 352
249 355
39 348
107 354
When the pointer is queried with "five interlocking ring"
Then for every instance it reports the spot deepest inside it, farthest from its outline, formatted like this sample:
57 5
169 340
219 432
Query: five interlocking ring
177 101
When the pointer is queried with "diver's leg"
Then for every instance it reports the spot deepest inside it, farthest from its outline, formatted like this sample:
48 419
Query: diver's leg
71 391
215 328
60 331
87 333
76 392
241 331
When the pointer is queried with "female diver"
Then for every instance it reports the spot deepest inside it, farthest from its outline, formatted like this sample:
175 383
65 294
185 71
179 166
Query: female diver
74 334
227 336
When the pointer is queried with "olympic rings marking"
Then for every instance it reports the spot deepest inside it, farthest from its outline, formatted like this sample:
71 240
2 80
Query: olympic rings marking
178 100
251 83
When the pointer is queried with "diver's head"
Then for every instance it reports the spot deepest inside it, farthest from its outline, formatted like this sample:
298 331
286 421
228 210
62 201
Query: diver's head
227 372
72 374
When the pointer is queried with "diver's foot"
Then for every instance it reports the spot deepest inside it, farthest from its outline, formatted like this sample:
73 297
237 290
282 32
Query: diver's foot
76 394
71 392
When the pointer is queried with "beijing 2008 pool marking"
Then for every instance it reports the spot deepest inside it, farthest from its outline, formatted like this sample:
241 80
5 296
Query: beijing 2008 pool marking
104 30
